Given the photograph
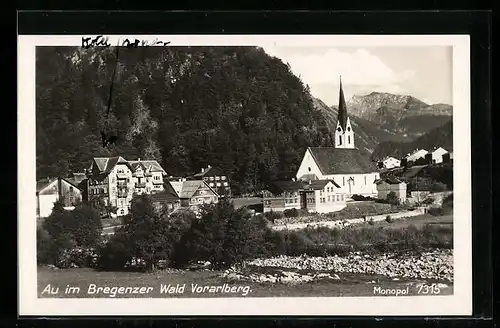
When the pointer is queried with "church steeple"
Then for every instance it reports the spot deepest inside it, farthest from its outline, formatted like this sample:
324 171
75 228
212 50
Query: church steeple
344 136
342 108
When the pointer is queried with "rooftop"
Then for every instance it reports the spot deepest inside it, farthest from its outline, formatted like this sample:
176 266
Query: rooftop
333 160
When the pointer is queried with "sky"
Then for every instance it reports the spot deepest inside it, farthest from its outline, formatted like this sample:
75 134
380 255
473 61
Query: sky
422 72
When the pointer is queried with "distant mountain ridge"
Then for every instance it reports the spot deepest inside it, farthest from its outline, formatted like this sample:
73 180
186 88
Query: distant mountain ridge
367 135
403 115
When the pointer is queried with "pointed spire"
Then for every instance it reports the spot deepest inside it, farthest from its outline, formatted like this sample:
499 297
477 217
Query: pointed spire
342 117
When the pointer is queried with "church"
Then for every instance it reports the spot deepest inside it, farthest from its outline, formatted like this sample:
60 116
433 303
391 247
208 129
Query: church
343 163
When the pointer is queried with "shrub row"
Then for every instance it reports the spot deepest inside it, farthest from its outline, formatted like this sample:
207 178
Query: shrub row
322 241
222 236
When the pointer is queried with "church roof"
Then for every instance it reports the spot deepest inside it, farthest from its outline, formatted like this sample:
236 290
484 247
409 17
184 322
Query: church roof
331 160
342 116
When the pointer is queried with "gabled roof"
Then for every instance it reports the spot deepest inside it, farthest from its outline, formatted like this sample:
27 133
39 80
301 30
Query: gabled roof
151 165
42 184
164 197
68 180
319 184
279 187
106 164
388 157
332 160
186 189
389 180
209 171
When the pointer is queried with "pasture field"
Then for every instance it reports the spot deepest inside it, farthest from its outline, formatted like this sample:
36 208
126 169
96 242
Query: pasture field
348 285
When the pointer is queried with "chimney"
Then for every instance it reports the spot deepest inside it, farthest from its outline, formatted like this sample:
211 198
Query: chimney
180 180
202 170
209 166
183 179
293 179
139 159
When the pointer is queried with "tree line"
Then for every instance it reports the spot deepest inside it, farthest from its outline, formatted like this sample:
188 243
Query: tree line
187 107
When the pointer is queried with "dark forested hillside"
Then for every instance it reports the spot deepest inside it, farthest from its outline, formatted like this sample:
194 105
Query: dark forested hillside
438 137
233 107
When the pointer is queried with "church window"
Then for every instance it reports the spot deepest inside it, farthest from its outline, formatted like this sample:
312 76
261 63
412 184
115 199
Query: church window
348 129
352 180
338 129
365 180
309 169
348 139
343 181
340 140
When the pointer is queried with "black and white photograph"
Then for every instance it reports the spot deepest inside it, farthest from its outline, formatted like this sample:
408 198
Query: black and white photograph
244 175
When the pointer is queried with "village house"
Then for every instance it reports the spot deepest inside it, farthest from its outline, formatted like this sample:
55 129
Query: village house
51 190
322 196
216 179
416 155
435 155
166 200
350 167
448 157
112 181
389 163
282 195
192 193
391 184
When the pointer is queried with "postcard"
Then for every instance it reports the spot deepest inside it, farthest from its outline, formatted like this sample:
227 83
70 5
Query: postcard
297 175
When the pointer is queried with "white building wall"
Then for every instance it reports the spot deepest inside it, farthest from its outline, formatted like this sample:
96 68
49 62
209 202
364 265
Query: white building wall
399 189
363 183
437 155
308 166
391 162
47 204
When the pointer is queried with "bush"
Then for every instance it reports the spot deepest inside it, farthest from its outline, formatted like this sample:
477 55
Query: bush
116 253
371 222
438 186
77 257
392 198
291 213
323 241
428 201
273 216
436 211
389 219
46 250
64 230
223 236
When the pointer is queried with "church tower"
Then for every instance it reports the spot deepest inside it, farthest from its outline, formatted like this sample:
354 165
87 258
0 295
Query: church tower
344 136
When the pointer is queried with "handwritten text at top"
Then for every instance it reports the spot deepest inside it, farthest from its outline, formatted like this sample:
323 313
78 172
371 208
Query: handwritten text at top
102 41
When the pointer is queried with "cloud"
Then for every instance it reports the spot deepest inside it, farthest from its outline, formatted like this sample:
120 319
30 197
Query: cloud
360 69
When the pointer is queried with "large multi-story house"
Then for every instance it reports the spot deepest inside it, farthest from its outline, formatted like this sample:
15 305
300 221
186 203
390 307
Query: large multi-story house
216 179
113 181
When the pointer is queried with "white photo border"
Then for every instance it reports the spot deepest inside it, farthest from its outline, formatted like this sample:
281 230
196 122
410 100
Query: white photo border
460 303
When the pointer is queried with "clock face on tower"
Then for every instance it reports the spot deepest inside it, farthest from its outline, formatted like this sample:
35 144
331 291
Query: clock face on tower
338 129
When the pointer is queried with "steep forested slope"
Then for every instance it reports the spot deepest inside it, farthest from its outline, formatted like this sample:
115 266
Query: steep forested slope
439 137
234 107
